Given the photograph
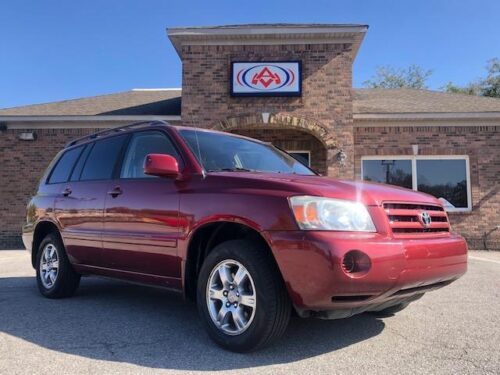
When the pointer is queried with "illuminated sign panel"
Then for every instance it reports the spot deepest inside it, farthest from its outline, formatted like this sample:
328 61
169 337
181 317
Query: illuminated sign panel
266 78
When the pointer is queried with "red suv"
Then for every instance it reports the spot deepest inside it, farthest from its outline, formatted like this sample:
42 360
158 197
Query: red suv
239 226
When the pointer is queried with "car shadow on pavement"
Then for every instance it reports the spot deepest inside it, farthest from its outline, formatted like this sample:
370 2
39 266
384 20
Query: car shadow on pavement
115 321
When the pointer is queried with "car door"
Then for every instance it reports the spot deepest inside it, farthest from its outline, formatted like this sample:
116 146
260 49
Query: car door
141 217
80 205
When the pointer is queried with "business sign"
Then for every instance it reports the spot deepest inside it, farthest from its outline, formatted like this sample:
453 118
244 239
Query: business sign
266 78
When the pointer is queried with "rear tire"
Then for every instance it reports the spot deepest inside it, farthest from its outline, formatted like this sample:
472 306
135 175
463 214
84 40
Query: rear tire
55 276
241 297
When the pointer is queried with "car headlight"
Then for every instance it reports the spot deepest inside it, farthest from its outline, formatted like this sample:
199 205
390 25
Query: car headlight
318 213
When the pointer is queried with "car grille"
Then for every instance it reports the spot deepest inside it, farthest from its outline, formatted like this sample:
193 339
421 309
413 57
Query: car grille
405 219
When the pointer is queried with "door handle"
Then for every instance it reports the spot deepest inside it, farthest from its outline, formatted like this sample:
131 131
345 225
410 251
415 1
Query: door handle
67 191
115 192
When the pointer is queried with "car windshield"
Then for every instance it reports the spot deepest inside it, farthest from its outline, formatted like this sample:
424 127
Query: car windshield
223 152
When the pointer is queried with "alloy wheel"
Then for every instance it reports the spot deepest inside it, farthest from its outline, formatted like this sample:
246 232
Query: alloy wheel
49 266
231 297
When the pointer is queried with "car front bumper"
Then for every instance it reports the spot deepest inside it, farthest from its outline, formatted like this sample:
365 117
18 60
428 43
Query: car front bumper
401 270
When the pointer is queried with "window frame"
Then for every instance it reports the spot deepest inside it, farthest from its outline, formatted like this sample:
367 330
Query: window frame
413 159
117 161
53 168
83 157
121 158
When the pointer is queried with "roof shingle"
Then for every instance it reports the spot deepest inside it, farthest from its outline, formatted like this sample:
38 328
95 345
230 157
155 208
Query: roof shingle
134 102
419 101
168 103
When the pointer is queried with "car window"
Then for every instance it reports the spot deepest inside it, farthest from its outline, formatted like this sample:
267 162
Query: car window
224 152
102 159
77 170
63 168
140 145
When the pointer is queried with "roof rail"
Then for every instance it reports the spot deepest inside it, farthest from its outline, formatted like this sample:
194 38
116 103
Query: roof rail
115 130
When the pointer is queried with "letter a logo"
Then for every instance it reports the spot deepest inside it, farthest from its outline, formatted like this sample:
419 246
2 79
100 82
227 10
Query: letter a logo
265 77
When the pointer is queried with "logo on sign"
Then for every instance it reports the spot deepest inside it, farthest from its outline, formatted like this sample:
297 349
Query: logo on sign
266 78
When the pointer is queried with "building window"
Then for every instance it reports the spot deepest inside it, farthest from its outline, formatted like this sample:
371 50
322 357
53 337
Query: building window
303 157
445 177
394 172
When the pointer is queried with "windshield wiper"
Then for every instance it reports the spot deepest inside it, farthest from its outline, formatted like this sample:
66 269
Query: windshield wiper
235 169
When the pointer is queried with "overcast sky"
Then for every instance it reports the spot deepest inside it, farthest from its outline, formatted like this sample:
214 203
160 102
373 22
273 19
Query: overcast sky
54 50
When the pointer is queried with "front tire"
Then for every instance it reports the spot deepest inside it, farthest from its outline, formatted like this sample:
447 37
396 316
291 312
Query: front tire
55 276
241 297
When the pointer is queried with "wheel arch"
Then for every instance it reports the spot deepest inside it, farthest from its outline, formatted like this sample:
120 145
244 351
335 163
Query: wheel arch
42 229
206 237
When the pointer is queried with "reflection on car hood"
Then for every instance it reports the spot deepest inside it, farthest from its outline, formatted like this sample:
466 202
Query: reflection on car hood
366 192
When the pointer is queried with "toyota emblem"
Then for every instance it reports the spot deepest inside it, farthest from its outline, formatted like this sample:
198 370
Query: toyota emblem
425 218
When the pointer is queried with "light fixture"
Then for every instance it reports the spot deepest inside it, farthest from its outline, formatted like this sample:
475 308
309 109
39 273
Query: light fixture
265 117
341 158
27 136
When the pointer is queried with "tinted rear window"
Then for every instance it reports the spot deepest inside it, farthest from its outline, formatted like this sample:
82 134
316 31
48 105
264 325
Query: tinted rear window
63 168
102 159
77 171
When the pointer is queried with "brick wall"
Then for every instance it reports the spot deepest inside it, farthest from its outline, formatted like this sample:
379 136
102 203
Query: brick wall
22 163
480 143
326 88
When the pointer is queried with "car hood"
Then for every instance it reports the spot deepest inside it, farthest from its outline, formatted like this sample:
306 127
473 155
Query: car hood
368 193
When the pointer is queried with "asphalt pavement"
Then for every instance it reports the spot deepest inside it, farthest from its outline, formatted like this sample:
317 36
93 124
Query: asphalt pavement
111 327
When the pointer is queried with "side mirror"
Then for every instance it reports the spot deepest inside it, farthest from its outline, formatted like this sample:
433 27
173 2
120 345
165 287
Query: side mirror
161 165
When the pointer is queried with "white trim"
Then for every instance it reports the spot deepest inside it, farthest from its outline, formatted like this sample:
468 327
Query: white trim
414 158
303 152
85 118
414 123
267 35
260 30
64 122
414 182
494 115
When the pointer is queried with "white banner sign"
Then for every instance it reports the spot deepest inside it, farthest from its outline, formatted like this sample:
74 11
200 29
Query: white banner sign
266 78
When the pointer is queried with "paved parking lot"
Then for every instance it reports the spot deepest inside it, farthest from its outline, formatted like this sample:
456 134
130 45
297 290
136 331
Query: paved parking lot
112 327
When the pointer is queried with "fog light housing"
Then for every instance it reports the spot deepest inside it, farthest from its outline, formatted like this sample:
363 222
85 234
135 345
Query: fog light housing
355 263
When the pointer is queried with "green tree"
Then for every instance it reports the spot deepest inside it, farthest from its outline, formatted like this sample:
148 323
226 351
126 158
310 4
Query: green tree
488 86
491 84
470 89
387 77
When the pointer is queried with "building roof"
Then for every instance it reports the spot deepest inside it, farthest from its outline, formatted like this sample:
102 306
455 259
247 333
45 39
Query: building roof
167 102
268 34
419 101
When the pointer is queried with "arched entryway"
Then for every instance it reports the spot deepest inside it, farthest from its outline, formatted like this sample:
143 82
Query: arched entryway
306 138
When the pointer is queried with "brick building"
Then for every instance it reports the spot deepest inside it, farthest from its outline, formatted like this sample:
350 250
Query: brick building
443 144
